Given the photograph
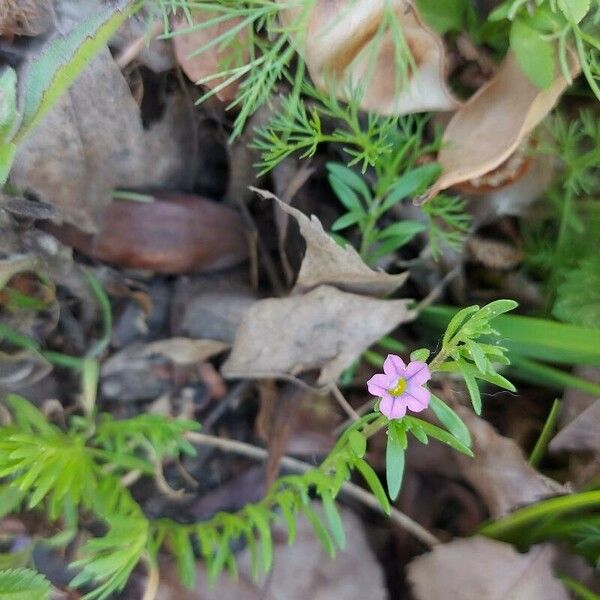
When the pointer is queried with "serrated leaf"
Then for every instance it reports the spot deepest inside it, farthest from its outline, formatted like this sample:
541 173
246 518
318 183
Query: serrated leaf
394 462
373 482
23 584
578 297
474 392
534 54
62 59
450 420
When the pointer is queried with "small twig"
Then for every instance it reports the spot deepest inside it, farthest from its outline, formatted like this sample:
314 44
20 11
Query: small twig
133 49
436 292
153 580
346 406
298 466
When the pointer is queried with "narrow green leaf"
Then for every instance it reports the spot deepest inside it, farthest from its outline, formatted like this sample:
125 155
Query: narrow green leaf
261 518
411 183
404 229
394 462
346 195
350 178
439 434
457 321
373 482
574 10
358 443
320 531
546 435
62 59
477 355
450 420
346 221
333 518
474 392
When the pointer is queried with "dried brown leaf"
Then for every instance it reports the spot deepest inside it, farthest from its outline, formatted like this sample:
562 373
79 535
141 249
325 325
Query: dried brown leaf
477 568
489 128
582 434
327 263
325 329
499 471
345 45
93 141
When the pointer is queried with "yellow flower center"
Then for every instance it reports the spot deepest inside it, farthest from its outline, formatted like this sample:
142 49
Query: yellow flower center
399 388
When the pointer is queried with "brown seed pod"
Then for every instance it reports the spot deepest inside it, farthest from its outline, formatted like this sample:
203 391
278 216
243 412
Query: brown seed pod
175 233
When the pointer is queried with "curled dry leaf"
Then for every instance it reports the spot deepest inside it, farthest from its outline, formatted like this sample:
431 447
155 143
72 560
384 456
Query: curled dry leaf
349 43
325 329
582 437
327 263
172 233
192 36
87 145
477 568
499 471
489 128
24 17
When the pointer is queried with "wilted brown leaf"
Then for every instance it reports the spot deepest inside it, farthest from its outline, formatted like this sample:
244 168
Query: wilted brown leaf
24 17
478 568
190 37
499 471
300 571
93 141
325 329
349 43
489 128
327 263
581 437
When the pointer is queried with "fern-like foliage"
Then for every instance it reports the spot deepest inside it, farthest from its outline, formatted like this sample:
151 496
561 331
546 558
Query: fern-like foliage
82 469
23 584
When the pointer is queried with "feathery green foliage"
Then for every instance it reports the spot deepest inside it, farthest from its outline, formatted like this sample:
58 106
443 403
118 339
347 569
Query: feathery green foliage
23 584
82 468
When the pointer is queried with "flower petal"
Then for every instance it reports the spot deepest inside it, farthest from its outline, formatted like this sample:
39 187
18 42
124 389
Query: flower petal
394 366
417 372
398 408
386 405
416 397
379 384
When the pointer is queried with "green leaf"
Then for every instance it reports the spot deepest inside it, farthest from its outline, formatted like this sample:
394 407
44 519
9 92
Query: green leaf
457 321
394 462
404 229
333 518
349 178
347 220
411 183
476 353
445 16
373 482
390 245
534 54
320 531
450 420
438 433
62 59
260 517
346 195
574 10
422 354
23 584
358 443
474 392
578 297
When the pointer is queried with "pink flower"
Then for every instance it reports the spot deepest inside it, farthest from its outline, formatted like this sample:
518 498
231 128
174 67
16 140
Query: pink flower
400 387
